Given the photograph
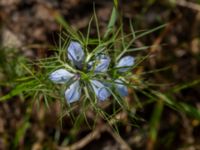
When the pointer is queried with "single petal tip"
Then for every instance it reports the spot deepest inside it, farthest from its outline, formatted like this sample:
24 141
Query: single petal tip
73 92
60 76
125 63
121 88
100 90
100 64
75 53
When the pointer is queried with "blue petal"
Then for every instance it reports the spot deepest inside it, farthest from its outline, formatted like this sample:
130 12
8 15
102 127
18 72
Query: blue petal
76 54
125 63
100 90
101 63
73 92
60 76
121 88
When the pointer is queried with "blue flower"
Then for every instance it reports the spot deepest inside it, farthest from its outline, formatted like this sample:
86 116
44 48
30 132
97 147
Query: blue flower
125 63
100 90
76 55
100 64
121 88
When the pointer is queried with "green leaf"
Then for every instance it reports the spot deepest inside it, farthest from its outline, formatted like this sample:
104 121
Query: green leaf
21 131
26 86
179 106
116 3
111 24
155 119
178 88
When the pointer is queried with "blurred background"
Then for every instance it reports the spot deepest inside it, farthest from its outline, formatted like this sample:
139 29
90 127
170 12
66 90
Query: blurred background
28 28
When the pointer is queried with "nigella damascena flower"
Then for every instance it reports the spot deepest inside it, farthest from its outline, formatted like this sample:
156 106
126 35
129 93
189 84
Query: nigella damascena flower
76 55
97 65
125 63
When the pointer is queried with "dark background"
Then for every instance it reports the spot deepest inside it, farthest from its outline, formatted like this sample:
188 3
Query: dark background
31 28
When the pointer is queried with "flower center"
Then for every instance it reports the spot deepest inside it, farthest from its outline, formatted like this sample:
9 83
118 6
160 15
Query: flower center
77 76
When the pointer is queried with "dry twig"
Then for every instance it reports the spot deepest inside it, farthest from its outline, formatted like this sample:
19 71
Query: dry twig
96 133
86 140
187 4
